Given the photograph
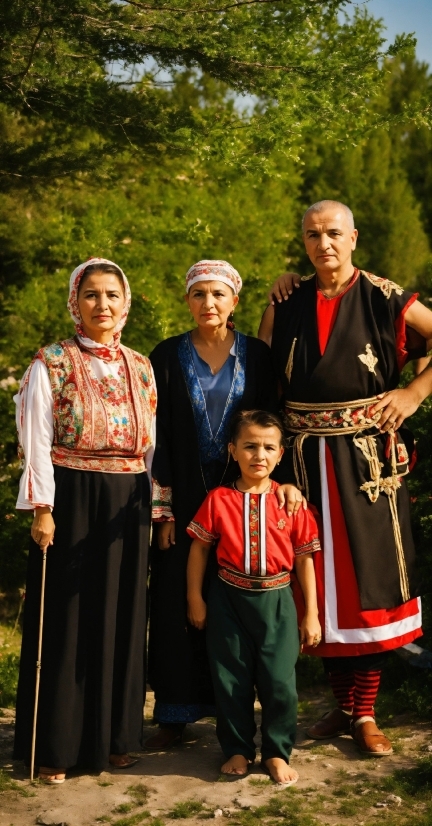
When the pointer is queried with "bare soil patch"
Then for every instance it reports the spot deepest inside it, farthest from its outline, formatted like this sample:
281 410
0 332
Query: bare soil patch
337 785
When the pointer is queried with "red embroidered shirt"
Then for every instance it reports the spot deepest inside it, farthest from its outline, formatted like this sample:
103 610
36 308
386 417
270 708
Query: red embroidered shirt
254 536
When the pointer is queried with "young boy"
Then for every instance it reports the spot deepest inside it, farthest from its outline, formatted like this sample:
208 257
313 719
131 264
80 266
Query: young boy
252 633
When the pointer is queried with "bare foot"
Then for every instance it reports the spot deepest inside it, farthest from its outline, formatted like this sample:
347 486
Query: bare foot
236 765
280 771
50 775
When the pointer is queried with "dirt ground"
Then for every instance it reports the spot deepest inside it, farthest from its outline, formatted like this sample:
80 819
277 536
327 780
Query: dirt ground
337 785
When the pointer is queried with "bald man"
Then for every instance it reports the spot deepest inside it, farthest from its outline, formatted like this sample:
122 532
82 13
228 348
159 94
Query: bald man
339 344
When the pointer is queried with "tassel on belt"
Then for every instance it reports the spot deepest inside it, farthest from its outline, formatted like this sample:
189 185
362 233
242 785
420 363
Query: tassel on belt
342 419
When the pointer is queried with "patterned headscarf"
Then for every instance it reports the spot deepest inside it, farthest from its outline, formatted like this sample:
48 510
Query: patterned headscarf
214 270
107 352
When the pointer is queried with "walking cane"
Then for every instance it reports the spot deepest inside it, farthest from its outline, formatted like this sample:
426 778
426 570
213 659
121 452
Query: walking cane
38 662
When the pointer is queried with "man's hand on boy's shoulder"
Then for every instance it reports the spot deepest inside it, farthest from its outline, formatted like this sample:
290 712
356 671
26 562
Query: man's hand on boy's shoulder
291 497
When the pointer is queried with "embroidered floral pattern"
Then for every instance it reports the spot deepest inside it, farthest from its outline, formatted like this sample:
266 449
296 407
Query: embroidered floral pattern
254 535
214 270
74 282
252 583
344 418
309 548
161 503
201 532
212 446
99 424
368 359
383 284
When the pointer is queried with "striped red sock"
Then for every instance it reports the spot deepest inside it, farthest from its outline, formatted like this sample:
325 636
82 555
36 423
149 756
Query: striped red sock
365 693
343 684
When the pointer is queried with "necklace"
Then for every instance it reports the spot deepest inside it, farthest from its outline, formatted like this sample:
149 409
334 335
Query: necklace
268 488
341 289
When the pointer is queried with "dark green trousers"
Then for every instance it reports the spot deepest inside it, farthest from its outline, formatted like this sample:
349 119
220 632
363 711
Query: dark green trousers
252 641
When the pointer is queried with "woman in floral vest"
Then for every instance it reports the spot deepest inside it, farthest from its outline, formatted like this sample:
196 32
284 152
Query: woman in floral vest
85 416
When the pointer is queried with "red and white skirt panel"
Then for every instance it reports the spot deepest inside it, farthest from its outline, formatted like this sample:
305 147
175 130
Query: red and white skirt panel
348 630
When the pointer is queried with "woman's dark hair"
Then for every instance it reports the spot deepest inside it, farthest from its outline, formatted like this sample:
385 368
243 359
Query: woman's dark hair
109 269
261 418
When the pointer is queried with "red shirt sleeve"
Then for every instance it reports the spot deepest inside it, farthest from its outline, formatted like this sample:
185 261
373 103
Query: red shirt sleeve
304 533
203 524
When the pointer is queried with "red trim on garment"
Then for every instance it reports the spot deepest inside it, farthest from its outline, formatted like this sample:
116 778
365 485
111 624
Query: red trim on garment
400 330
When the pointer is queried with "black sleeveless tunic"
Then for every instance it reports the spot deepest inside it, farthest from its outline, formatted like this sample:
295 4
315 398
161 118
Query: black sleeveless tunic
366 323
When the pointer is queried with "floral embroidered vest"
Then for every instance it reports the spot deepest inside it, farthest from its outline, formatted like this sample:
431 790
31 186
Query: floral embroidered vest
100 424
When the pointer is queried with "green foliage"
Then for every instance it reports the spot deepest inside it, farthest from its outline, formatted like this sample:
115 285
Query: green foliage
80 80
139 793
9 665
9 785
188 808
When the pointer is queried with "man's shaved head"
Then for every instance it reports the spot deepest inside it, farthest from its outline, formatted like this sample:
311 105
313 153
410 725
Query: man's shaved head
321 206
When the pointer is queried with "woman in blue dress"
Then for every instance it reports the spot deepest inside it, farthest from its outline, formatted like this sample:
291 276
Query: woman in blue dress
202 377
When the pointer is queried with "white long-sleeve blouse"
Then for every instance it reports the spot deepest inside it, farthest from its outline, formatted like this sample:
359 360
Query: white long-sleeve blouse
35 425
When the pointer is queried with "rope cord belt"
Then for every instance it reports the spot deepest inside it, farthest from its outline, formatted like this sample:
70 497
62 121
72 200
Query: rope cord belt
342 419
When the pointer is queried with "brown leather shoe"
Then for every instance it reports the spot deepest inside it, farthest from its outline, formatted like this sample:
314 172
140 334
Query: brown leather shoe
332 724
164 739
370 739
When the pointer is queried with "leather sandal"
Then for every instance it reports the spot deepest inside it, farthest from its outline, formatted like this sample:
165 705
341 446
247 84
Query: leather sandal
51 776
128 762
332 724
164 739
369 739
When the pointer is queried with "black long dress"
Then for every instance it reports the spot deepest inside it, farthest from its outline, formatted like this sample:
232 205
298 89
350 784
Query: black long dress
191 463
92 687
92 678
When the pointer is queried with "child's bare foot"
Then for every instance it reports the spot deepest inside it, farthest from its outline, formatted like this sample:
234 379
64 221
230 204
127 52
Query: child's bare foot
236 766
280 771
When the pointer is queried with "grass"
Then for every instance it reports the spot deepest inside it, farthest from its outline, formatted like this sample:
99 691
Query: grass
8 784
139 793
133 820
188 808
287 808
9 665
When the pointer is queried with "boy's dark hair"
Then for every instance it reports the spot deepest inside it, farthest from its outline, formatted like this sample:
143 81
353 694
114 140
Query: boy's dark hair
260 418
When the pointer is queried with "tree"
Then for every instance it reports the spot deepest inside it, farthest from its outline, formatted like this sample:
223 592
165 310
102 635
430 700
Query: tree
64 112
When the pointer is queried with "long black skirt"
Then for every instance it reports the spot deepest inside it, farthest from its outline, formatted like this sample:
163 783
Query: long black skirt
92 686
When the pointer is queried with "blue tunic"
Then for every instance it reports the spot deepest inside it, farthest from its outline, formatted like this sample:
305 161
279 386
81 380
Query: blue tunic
215 387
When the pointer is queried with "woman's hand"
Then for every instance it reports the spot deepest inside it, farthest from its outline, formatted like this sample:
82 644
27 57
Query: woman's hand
396 406
310 631
291 497
197 612
43 527
165 535
283 287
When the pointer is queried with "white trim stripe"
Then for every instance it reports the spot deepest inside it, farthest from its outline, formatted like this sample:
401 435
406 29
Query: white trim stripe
246 531
262 535
332 631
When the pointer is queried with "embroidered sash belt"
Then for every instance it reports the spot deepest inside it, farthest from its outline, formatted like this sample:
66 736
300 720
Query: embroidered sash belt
254 583
342 419
330 419
102 461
